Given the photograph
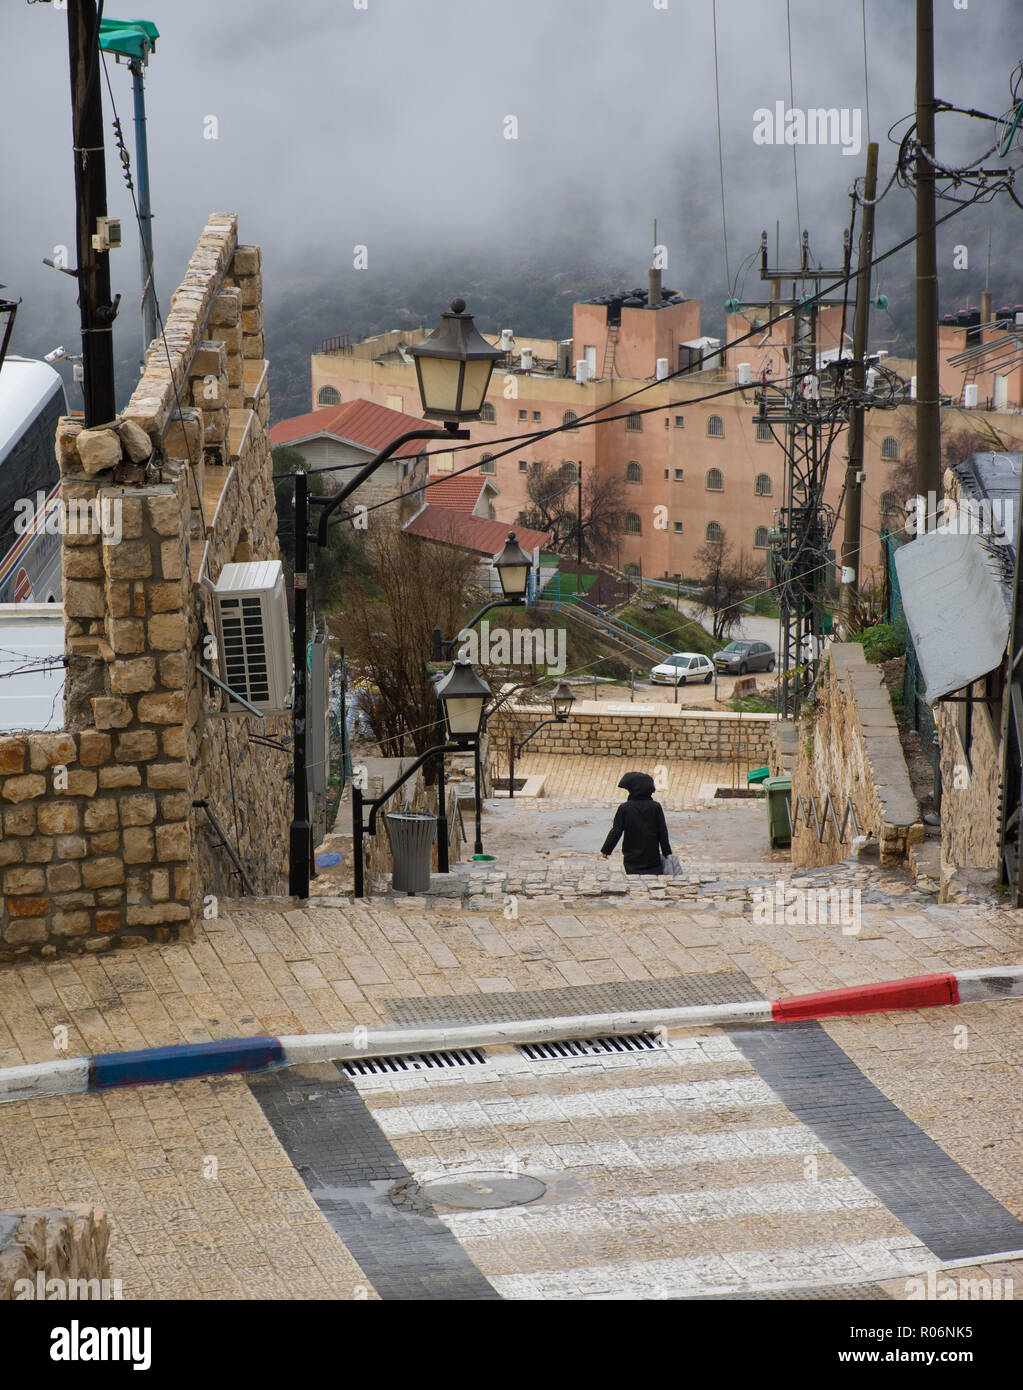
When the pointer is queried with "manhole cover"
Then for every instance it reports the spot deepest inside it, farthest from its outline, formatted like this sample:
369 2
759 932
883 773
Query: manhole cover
481 1191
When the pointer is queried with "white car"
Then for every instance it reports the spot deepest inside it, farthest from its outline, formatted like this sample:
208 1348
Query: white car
683 667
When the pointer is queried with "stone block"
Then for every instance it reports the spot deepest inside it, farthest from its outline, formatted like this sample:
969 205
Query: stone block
247 261
24 880
12 753
98 450
57 818
77 782
99 873
166 776
174 670
128 560
29 907
132 676
175 806
63 878
172 559
165 514
71 847
25 788
71 923
175 742
166 598
136 746
140 915
173 842
127 636
161 709
167 632
138 845
11 852
135 442
138 810
26 932
83 599
106 842
82 563
101 815
113 778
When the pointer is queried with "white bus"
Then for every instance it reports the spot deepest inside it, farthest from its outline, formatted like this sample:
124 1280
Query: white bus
32 400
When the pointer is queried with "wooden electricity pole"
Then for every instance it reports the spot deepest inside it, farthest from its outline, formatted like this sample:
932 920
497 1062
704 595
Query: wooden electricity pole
97 312
854 466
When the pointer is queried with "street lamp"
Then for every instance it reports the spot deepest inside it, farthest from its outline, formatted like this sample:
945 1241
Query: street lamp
461 695
513 566
453 365
561 703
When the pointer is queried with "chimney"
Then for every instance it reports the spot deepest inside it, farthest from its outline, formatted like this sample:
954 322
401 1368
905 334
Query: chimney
654 296
985 306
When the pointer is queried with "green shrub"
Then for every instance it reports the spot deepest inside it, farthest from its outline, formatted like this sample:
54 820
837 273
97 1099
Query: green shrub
882 642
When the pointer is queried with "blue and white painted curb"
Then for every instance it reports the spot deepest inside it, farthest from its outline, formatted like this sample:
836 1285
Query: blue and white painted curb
192 1060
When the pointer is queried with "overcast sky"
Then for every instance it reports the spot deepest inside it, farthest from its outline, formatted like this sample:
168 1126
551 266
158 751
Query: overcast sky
385 127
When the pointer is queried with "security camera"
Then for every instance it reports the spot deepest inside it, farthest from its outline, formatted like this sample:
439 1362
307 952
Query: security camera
57 355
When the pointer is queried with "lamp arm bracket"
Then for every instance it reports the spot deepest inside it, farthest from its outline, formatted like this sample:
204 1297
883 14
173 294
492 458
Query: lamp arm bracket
377 802
449 644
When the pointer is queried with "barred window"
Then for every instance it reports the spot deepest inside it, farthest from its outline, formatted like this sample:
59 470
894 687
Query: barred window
633 524
760 538
488 414
487 464
763 487
634 421
715 480
716 427
328 395
890 448
633 472
714 533
569 420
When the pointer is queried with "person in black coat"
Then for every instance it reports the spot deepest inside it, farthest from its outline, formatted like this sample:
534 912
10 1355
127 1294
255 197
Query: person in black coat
641 821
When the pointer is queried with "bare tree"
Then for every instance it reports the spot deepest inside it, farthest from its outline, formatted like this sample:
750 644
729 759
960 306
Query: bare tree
553 506
727 581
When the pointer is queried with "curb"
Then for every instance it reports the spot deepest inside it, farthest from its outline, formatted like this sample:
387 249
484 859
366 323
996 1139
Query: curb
152 1066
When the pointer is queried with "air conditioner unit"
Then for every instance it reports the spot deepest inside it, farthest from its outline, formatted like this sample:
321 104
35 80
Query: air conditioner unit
253 638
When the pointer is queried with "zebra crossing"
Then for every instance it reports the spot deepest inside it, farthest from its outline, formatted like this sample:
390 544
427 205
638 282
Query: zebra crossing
670 1173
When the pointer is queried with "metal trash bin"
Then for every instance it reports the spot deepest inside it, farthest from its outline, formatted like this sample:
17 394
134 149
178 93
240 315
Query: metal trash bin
411 834
778 794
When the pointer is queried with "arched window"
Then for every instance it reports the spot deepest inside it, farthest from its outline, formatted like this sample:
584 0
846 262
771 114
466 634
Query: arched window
760 538
888 504
633 524
716 427
763 487
487 464
890 448
488 414
715 480
633 472
634 421
569 420
328 395
714 533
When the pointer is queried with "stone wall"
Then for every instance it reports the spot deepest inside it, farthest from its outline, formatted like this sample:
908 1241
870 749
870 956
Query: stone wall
38 1246
102 843
849 747
604 730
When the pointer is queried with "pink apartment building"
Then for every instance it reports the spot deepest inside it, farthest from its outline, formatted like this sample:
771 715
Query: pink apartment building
695 461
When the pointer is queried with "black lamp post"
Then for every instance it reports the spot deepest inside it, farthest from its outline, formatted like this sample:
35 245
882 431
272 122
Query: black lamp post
561 703
513 566
461 696
454 365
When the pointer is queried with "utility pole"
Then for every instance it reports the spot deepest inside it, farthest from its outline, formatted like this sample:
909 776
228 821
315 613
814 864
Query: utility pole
301 830
928 408
854 466
135 67
97 312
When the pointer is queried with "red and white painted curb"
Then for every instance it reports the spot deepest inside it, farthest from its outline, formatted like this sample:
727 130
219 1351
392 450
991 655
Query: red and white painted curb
157 1065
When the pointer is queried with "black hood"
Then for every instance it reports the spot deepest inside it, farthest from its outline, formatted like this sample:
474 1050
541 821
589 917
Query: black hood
640 785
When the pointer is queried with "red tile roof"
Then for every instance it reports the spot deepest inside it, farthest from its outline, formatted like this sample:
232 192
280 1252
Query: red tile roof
364 423
458 494
472 532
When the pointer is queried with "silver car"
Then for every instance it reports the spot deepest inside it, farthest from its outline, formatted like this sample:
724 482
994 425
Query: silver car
739 657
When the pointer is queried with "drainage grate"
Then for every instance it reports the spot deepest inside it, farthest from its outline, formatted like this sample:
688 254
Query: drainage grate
590 1047
414 1061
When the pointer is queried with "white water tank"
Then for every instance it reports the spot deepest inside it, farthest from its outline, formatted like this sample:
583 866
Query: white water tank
582 372
871 379
506 339
743 375
970 396
912 388
526 360
662 368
